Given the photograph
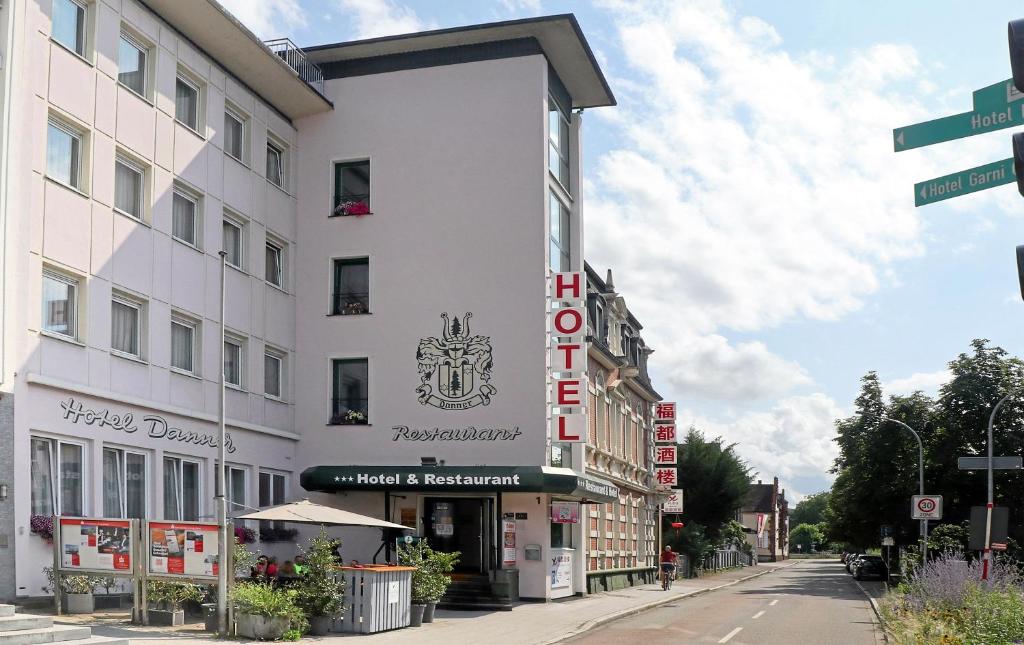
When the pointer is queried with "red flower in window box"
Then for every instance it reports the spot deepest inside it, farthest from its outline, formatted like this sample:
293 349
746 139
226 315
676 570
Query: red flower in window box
352 208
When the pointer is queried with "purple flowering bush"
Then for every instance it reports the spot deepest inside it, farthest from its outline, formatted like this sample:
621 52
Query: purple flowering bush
245 535
42 525
946 601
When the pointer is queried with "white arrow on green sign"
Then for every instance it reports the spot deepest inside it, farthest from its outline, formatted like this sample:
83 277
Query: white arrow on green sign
957 126
964 182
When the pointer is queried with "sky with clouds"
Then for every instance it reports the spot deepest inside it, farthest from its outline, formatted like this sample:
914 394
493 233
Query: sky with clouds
745 194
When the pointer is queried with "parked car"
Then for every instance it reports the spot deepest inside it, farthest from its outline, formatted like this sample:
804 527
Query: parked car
850 560
870 566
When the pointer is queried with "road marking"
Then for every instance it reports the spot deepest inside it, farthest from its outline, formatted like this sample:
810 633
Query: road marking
730 635
772 603
758 614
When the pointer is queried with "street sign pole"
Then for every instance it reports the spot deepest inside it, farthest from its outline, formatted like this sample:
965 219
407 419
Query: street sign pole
987 553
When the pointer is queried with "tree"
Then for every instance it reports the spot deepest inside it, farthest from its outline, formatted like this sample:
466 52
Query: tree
456 385
807 537
715 481
949 537
811 510
734 535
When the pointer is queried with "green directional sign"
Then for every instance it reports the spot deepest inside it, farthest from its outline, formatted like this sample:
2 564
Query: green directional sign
964 182
997 96
957 126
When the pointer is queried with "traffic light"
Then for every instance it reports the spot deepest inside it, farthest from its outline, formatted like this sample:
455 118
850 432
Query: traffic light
1015 36
1018 160
1020 268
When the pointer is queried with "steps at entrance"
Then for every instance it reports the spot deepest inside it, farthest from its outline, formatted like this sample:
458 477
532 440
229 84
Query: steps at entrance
473 593
27 629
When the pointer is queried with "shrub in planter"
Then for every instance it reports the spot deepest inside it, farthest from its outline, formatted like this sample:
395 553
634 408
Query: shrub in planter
319 592
271 534
76 589
42 525
166 600
264 612
430 580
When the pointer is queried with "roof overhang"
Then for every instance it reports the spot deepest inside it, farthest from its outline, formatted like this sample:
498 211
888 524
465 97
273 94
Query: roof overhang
564 483
560 38
227 41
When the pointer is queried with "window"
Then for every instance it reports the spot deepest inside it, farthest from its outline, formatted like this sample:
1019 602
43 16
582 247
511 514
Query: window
64 154
56 473
126 327
232 234
60 302
352 188
275 164
124 483
233 362
131 64
349 400
273 371
351 291
272 493
558 142
559 235
69 25
184 211
186 103
128 187
183 345
235 480
275 264
181 489
234 134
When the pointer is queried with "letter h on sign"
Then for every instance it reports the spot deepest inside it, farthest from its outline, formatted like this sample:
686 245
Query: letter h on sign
568 287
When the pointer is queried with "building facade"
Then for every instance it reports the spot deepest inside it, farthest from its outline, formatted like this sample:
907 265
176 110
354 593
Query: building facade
622 546
765 516
391 213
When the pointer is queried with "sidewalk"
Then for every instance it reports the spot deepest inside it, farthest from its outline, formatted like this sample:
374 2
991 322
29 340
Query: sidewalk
526 624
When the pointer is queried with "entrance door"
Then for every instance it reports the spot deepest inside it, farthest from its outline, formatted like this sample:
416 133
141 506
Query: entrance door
457 524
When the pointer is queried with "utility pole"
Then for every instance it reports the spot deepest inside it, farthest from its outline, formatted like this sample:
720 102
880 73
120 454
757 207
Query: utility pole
222 502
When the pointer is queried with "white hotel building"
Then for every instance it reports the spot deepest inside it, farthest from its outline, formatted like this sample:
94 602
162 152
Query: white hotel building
367 353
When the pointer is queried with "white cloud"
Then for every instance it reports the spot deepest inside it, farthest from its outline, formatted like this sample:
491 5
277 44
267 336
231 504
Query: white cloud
529 7
267 18
792 439
710 366
927 382
373 18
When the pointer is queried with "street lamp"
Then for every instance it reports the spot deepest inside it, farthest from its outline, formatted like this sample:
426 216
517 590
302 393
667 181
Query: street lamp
987 553
920 481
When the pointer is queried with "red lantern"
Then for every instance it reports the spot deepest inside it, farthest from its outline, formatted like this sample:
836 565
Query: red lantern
677 525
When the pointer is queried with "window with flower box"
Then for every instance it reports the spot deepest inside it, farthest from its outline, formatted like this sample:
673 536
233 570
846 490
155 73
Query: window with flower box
351 188
351 287
350 398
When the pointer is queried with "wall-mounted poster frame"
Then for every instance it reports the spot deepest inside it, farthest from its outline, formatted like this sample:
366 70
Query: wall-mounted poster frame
107 547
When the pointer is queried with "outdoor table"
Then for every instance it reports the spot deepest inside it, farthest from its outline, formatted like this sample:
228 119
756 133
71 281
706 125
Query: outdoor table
377 598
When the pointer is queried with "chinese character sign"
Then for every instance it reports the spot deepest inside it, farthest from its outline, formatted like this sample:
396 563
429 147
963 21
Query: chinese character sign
665 412
665 455
665 434
666 477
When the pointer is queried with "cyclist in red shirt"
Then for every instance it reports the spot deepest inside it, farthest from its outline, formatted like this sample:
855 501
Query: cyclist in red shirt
669 559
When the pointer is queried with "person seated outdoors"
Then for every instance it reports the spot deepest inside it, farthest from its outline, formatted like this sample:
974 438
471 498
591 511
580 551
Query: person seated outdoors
287 572
259 570
272 567
300 564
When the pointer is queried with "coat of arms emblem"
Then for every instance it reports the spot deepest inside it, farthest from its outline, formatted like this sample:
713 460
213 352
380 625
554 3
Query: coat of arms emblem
455 370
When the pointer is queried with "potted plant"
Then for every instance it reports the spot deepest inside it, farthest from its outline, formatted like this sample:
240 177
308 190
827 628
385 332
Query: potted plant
42 525
430 580
264 612
357 208
320 592
76 589
166 600
353 417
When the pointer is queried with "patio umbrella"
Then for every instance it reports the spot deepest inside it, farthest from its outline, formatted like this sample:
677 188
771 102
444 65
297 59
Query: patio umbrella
306 512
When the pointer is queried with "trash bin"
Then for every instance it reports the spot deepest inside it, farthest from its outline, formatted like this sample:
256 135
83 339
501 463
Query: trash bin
210 616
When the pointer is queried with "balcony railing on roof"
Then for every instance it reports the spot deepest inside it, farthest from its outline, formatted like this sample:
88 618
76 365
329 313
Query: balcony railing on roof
296 59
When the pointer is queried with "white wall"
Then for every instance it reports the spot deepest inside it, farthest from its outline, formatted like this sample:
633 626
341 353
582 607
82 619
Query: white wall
458 225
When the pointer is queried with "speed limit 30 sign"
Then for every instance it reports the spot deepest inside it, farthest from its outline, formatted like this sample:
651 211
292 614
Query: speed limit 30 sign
926 507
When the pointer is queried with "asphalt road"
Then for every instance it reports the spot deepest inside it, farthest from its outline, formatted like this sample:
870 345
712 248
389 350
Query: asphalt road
813 603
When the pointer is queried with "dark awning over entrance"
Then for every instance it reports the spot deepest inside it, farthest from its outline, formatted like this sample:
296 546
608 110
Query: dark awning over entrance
454 479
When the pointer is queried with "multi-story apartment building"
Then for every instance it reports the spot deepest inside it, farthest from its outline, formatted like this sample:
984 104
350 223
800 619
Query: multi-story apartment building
138 141
622 533
391 212
765 516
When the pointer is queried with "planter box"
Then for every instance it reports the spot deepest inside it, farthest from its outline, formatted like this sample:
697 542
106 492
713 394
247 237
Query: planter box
320 625
260 627
166 617
109 601
80 603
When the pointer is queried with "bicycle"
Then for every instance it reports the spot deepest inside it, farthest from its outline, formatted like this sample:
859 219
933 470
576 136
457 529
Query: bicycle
668 574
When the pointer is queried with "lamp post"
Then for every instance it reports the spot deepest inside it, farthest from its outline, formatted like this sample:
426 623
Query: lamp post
987 553
222 506
920 481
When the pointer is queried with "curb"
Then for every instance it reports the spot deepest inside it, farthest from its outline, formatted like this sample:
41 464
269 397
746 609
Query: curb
874 608
603 620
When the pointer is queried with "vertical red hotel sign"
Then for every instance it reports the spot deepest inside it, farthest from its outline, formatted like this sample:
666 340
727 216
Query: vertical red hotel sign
666 471
567 324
